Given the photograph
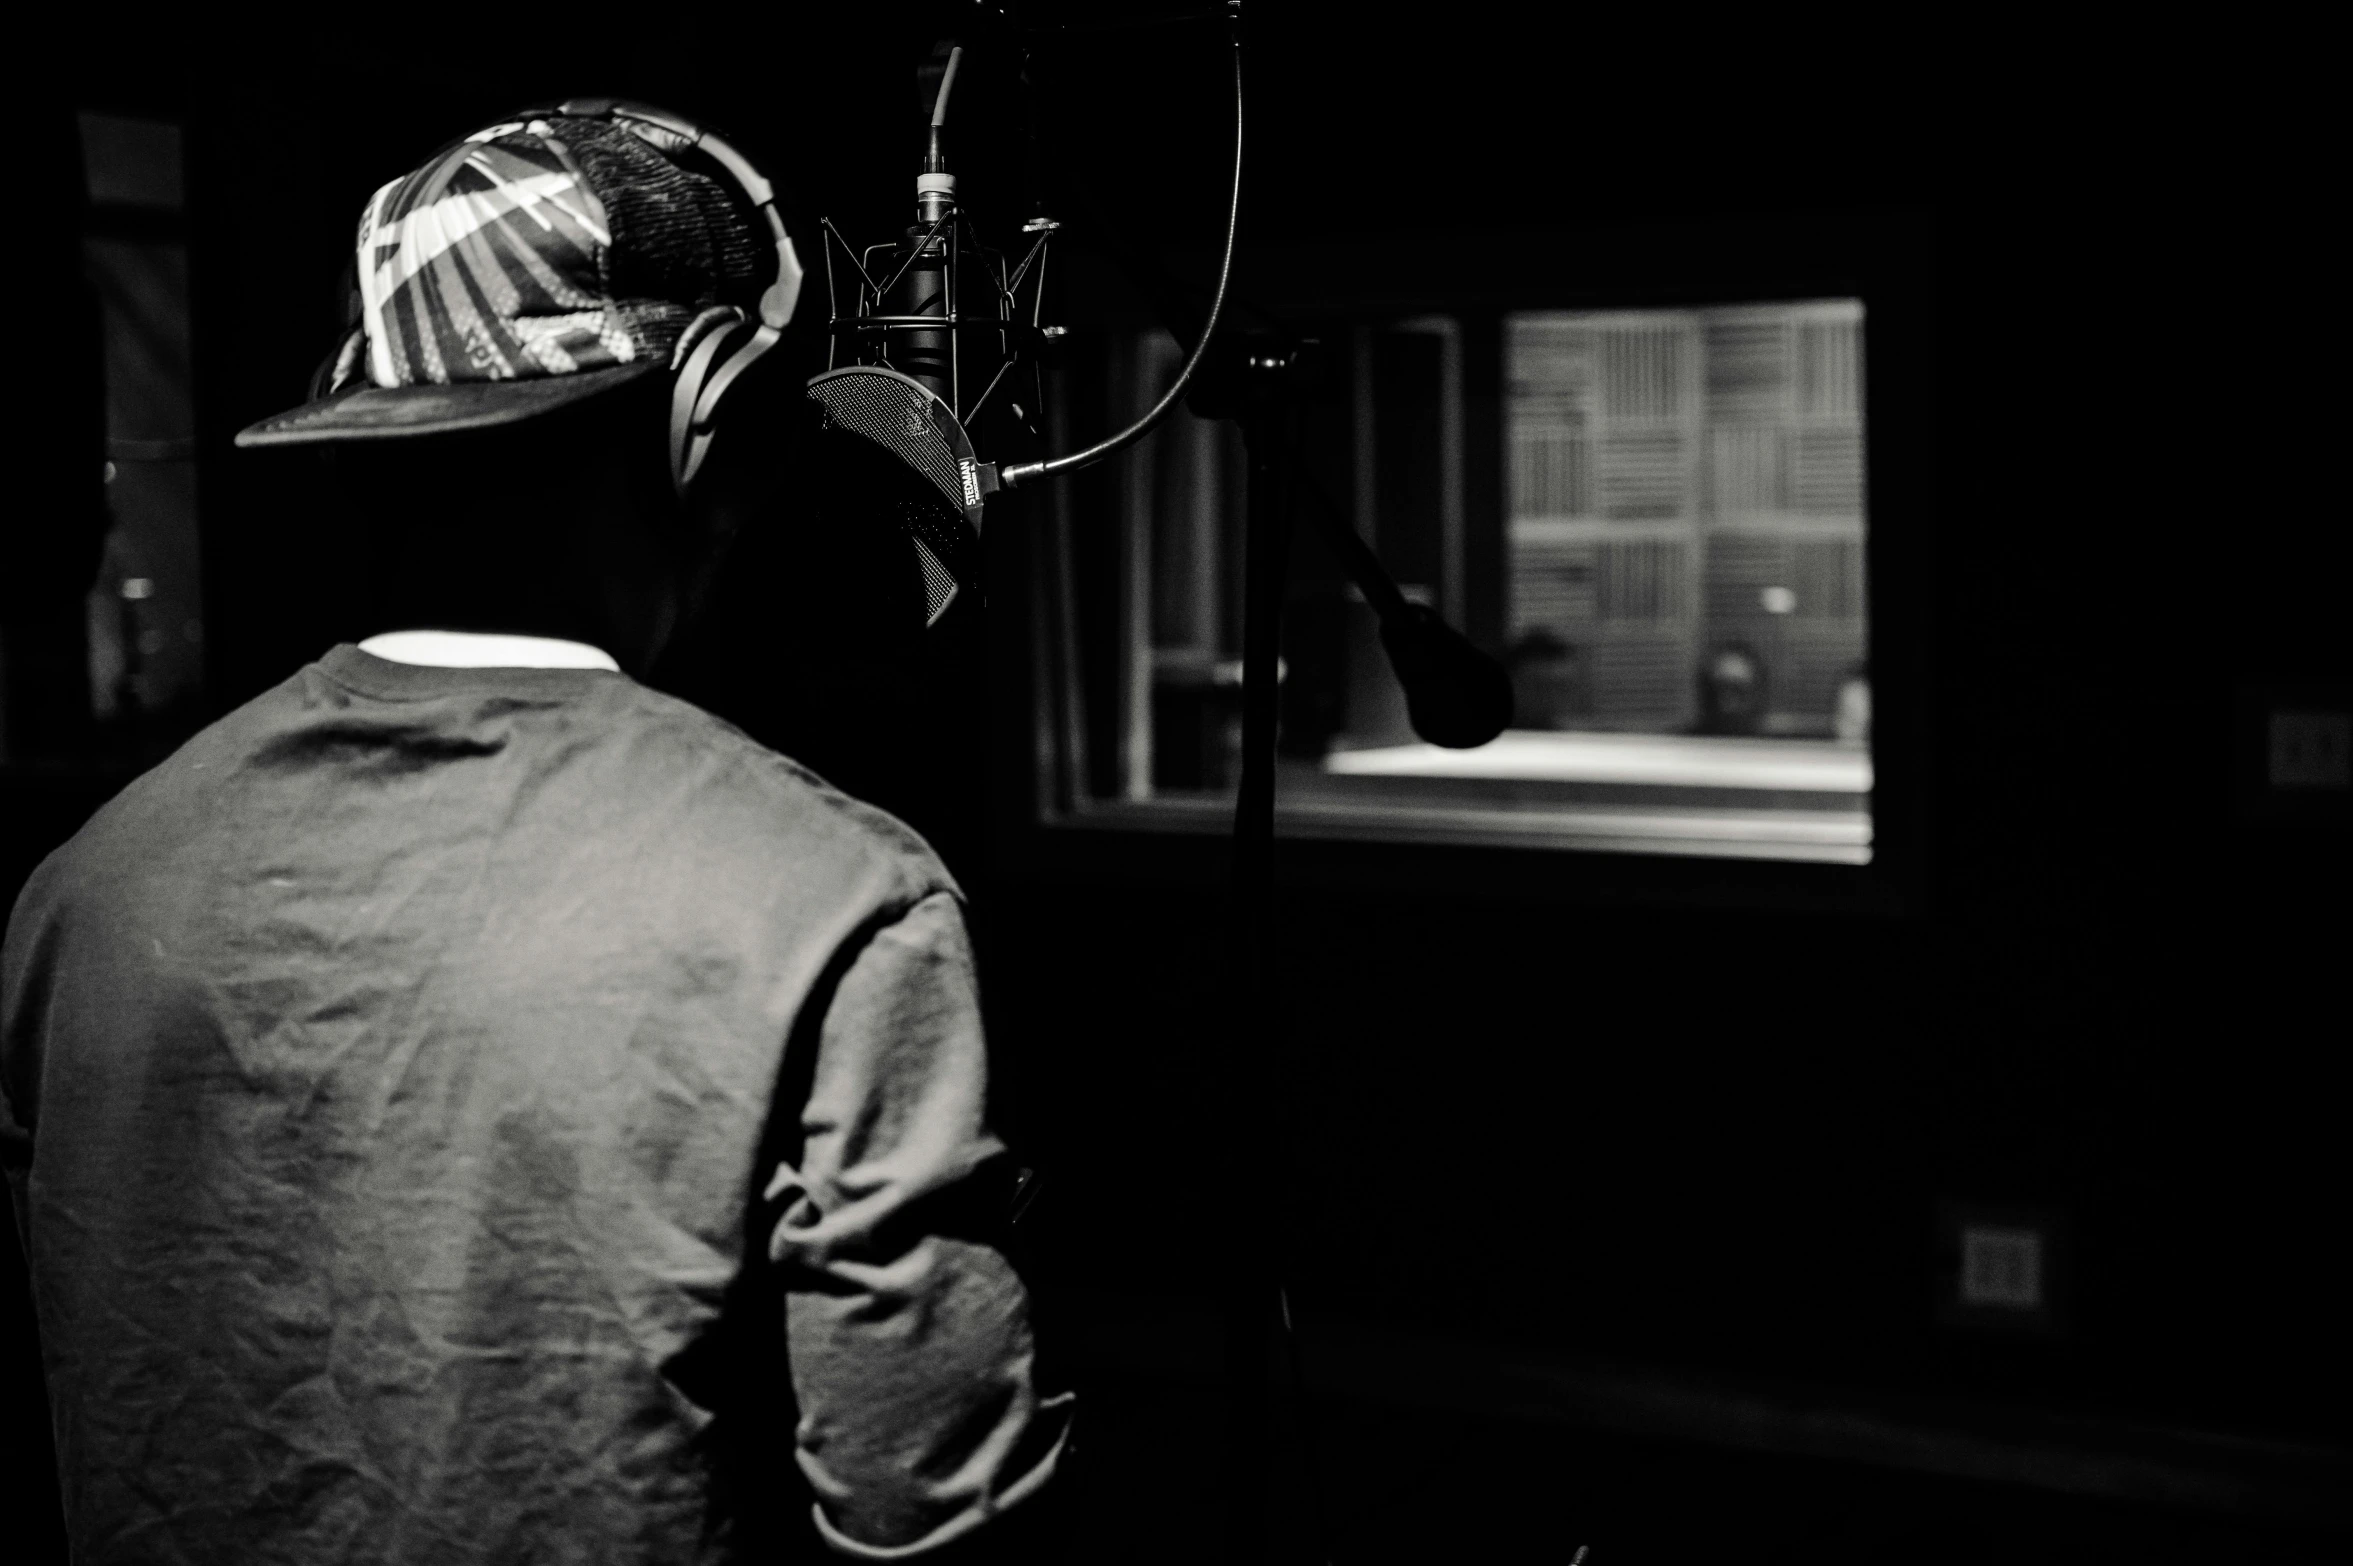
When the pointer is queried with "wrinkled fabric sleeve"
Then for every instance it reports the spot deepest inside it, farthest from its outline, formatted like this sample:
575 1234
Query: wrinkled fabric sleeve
909 1332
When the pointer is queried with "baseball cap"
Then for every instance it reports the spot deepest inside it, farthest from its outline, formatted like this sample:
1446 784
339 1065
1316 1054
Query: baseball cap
533 264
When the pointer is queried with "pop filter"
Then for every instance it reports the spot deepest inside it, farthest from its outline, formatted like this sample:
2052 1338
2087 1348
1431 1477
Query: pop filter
910 421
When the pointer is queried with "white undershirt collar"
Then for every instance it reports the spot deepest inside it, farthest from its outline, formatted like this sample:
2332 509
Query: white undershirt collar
485 650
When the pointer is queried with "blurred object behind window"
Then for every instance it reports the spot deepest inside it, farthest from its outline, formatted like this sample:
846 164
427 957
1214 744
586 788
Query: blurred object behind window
1852 723
1732 695
143 614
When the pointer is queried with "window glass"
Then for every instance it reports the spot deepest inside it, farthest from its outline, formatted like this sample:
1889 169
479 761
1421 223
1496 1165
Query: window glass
1671 559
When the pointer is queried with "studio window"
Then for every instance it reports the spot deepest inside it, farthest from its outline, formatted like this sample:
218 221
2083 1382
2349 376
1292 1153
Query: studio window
1656 518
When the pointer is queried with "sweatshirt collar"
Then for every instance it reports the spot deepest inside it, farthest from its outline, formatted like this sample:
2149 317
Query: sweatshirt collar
386 679
484 650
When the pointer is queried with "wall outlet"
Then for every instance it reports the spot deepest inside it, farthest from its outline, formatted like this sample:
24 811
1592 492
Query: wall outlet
2001 1268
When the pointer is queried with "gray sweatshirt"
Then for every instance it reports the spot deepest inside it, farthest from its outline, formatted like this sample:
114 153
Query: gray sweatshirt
507 1115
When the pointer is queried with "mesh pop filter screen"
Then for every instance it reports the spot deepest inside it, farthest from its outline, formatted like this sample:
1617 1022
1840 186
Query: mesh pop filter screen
904 418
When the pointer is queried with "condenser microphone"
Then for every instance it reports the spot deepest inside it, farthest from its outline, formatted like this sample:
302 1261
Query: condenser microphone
908 388
910 385
929 311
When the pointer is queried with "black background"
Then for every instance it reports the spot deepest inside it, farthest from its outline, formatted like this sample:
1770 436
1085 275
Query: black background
1694 1116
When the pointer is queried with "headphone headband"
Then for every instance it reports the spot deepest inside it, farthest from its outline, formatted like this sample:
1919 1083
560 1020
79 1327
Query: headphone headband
782 296
715 363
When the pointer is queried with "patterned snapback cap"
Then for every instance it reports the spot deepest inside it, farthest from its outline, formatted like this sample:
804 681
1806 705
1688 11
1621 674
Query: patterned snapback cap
529 266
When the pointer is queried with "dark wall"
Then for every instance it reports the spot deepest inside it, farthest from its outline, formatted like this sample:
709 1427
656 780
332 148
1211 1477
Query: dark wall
1696 1114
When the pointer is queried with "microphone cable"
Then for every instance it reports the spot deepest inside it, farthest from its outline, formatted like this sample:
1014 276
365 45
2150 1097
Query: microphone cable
1051 467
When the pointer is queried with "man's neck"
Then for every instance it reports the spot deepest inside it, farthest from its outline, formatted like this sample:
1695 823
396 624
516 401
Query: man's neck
486 650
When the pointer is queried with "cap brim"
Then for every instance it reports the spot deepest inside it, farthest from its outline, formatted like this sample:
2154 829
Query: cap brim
393 412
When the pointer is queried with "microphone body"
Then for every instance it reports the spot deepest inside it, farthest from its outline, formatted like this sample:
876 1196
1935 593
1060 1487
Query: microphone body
1455 695
922 289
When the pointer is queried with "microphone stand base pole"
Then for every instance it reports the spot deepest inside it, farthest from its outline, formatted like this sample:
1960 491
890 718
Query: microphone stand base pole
1267 406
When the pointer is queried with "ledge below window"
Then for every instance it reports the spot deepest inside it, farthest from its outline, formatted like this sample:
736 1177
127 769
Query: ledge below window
1704 796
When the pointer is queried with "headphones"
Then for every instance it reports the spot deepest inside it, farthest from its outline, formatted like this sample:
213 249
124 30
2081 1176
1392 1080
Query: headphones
720 344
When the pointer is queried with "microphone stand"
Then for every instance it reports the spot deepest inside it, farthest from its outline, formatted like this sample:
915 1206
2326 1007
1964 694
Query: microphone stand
1255 380
1457 697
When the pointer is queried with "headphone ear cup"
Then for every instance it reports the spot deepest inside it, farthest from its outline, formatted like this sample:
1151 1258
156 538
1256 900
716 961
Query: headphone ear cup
688 445
707 339
340 368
